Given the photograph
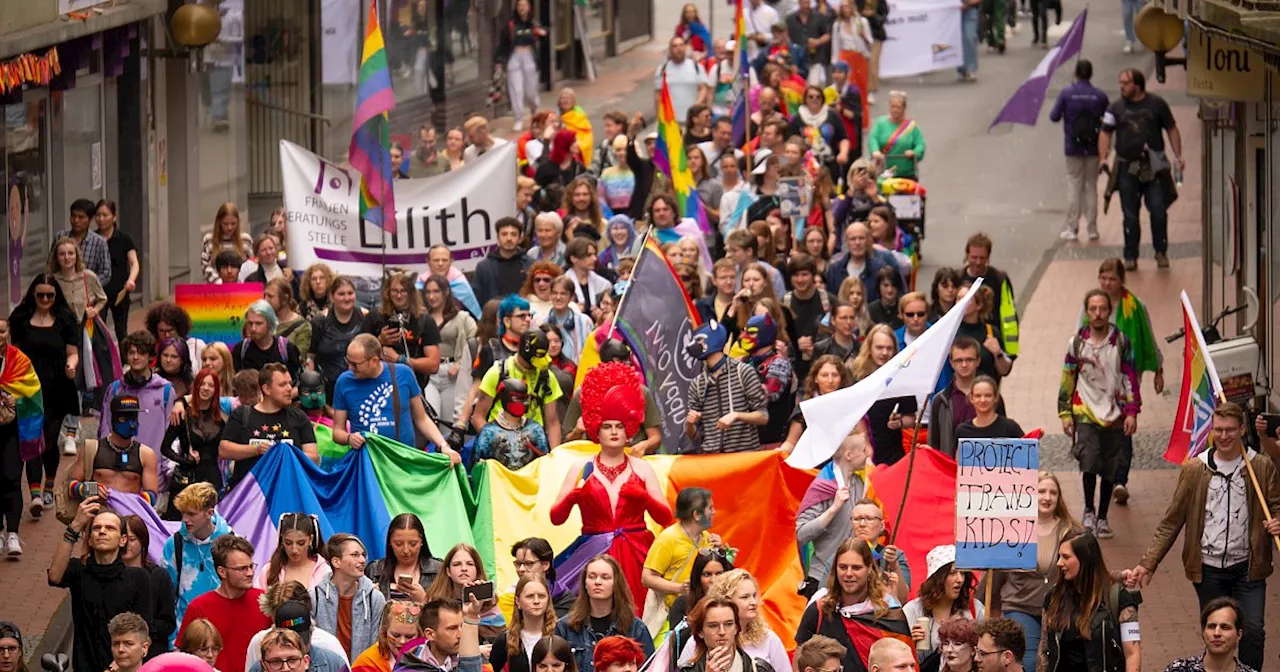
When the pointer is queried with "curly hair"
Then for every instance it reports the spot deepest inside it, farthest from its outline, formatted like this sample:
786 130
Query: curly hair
596 386
543 267
723 588
171 314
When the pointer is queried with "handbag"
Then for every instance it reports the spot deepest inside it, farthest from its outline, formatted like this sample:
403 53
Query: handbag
656 610
184 472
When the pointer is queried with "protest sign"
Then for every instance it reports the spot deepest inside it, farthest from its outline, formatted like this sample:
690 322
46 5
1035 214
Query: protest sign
217 311
458 209
996 503
923 36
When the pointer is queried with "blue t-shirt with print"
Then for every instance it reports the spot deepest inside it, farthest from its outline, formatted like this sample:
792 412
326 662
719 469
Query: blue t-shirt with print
368 403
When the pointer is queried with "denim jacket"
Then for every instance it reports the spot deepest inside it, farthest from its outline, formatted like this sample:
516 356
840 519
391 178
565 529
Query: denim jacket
583 642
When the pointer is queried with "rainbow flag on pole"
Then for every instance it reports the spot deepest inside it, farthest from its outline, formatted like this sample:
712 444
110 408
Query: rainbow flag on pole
669 157
371 136
1201 391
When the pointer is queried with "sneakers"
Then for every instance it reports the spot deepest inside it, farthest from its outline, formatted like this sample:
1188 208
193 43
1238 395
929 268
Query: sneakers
68 445
1090 521
12 546
36 507
1093 235
970 77
47 498
1103 529
1130 264
1067 235
1128 47
1120 495
1162 260
518 126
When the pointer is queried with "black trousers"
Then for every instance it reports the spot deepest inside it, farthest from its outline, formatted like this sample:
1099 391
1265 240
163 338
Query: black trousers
120 313
47 464
10 478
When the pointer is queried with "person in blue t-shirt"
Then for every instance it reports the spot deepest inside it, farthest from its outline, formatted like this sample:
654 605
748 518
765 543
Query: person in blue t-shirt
363 395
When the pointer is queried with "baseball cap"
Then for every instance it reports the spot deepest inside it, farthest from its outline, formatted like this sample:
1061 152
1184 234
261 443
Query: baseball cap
295 616
123 404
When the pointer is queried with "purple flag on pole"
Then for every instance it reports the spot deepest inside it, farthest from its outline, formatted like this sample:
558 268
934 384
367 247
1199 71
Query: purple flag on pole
1024 106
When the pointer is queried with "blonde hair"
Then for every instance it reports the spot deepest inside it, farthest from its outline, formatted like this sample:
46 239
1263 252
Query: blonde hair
224 210
226 379
54 267
200 634
196 497
475 122
724 587
282 638
304 285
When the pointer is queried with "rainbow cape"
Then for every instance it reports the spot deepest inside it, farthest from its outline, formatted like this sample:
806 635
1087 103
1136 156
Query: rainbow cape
18 378
576 120
370 147
360 491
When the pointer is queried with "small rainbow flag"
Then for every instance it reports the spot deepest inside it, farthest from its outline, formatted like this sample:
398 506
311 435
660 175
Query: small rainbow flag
1201 390
669 156
370 136
217 311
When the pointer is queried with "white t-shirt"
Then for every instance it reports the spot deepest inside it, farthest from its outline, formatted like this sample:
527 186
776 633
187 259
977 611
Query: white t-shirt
530 640
471 153
759 20
683 79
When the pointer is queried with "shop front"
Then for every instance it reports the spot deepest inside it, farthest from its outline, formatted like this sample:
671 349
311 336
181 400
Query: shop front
74 118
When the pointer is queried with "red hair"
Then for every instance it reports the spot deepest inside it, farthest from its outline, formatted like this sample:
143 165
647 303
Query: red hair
611 391
616 649
215 404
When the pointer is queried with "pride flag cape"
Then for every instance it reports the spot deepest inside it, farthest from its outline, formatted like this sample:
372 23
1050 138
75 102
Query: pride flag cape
18 378
360 491
576 120
669 157
370 135
1201 390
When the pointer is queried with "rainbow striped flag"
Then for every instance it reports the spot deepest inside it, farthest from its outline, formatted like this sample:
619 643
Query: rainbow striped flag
741 113
18 379
360 491
669 157
371 134
1201 391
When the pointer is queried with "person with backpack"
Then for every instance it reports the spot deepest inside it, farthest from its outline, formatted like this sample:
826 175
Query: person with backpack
188 554
530 365
253 430
261 346
1135 127
154 401
1080 106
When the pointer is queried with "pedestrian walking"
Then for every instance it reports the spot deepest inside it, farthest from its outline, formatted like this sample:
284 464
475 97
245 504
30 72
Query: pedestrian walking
1080 106
1135 127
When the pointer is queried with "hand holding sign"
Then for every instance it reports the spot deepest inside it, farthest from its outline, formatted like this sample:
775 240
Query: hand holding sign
996 503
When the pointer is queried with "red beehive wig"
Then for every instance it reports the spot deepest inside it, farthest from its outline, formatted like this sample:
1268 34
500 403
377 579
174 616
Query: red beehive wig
616 649
611 391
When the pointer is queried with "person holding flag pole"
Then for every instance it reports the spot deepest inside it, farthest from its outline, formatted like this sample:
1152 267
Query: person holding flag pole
1224 499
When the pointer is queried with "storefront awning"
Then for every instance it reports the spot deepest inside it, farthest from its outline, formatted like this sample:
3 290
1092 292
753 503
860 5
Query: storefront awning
63 30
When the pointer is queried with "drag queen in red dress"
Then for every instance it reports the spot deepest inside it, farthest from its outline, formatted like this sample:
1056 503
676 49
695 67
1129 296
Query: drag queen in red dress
612 490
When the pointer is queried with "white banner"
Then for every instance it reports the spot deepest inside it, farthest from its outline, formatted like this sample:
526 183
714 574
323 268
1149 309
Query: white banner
923 36
341 40
457 209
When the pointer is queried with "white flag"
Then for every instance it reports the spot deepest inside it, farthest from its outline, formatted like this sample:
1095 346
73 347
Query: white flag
912 372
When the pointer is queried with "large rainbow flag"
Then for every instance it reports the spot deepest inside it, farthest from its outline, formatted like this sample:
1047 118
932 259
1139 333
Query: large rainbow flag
669 157
756 497
18 379
371 136
1201 390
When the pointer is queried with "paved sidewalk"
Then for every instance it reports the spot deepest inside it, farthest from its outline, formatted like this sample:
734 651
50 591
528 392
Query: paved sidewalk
1169 615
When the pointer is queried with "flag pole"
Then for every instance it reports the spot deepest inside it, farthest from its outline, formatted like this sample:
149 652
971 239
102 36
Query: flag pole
644 245
911 465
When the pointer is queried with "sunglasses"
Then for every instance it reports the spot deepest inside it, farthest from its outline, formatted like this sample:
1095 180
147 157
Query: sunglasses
542 280
914 314
46 295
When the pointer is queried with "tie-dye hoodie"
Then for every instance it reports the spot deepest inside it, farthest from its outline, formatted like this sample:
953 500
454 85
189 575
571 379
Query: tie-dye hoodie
198 574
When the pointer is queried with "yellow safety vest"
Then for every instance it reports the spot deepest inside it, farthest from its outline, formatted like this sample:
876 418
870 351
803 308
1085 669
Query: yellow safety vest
1008 318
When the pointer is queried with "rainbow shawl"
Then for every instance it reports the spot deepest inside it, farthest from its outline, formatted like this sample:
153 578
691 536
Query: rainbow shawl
576 120
18 378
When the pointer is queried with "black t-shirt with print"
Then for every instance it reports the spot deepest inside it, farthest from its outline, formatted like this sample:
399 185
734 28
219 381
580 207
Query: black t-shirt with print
250 426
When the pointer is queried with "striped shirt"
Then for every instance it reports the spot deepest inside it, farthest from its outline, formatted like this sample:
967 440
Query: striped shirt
734 387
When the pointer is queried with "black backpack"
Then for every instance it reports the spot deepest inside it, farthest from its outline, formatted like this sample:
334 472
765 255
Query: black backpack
1085 128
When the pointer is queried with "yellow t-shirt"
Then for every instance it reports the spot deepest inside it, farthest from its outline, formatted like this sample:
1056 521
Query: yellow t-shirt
672 555
489 385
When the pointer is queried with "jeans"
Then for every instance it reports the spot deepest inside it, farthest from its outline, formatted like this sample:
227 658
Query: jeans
423 74
969 19
1082 184
522 82
1132 195
441 392
1031 628
1129 9
1234 582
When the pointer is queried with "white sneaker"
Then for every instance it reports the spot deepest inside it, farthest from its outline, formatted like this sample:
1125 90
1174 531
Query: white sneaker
1128 47
1093 235
518 126
1090 522
871 97
68 445
1104 529
46 498
1067 235
13 545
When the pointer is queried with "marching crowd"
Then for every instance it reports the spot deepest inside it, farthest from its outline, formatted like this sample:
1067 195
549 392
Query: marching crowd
484 365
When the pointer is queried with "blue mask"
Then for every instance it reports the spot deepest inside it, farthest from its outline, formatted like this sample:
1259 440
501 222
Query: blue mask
126 426
710 338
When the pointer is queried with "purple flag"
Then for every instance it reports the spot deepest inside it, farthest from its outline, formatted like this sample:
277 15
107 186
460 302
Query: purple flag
1024 106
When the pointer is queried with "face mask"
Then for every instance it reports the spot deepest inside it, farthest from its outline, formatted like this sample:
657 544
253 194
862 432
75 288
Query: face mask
125 425
708 339
534 347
